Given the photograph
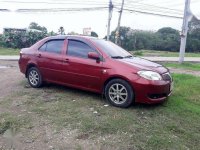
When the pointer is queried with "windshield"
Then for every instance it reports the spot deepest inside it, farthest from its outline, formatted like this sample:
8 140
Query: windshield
112 49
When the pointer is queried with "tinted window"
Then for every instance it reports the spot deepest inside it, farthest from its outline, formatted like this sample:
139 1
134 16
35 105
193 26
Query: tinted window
110 48
79 49
54 46
43 47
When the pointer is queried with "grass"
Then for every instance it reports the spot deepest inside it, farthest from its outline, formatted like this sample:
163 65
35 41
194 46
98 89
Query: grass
189 66
171 125
154 53
13 123
8 51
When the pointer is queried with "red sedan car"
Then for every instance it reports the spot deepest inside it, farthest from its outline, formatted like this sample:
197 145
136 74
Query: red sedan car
96 65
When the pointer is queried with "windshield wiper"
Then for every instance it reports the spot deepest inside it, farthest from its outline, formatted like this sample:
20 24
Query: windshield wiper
129 56
117 57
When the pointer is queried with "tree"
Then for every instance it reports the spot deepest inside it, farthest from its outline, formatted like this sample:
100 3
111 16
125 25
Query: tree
194 24
193 40
34 25
72 33
131 39
52 33
123 36
94 34
170 39
61 30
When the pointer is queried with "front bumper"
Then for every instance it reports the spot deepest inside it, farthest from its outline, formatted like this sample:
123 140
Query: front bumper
151 92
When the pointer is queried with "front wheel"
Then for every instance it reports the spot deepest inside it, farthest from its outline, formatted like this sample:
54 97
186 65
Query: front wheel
119 93
34 77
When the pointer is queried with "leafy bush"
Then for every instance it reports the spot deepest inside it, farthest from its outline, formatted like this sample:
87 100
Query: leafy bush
166 39
21 39
138 53
1 40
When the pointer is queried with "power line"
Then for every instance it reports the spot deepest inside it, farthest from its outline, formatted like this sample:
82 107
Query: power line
81 3
153 9
90 3
61 9
53 3
4 10
176 10
152 13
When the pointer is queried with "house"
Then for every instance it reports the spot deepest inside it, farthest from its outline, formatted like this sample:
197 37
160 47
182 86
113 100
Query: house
14 30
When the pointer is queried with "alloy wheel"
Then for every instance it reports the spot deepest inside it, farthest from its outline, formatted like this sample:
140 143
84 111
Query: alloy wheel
118 93
34 77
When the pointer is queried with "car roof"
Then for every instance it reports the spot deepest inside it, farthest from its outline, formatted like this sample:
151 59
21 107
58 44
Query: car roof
71 36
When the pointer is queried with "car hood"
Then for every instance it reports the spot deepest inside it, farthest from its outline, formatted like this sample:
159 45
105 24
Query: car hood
143 64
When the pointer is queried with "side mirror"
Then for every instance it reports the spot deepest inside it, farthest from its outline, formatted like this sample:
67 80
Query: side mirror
94 55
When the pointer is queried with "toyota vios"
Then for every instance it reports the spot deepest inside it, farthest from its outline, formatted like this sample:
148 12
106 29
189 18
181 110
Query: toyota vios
96 65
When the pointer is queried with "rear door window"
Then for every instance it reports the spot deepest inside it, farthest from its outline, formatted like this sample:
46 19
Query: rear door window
53 46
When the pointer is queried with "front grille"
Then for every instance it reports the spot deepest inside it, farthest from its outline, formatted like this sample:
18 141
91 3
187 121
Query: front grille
167 77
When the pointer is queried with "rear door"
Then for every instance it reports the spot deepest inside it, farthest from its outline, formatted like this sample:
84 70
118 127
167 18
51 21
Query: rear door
81 71
50 59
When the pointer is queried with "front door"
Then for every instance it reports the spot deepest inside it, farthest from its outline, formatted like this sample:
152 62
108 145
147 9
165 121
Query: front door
81 71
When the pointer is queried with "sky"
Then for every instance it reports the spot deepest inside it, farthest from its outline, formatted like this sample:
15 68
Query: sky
97 20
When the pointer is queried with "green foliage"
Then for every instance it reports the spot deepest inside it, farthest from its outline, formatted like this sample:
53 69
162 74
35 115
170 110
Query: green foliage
72 33
52 33
186 65
194 24
193 41
22 39
35 26
61 30
94 34
169 39
155 53
9 51
166 39
1 40
18 39
138 53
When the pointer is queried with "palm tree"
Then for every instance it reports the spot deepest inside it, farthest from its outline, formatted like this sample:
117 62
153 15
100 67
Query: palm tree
61 30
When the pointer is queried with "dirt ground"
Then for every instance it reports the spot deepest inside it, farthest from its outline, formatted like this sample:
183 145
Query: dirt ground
41 134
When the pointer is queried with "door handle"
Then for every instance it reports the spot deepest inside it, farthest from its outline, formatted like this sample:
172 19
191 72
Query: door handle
66 60
39 55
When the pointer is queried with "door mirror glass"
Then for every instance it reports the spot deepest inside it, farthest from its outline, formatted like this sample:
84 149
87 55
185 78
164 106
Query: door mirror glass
93 55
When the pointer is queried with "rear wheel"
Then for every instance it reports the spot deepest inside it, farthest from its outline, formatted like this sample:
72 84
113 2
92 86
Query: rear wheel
119 93
34 77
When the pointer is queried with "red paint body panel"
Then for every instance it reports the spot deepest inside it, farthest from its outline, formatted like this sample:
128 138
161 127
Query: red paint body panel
90 74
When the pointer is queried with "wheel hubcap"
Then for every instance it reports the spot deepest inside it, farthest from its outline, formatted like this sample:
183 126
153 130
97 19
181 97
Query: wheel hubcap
33 77
118 93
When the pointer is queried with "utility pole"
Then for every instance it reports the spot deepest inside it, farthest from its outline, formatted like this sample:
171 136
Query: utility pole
187 17
119 20
109 19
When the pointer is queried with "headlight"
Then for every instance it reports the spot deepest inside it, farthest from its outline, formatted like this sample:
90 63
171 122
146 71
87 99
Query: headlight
150 75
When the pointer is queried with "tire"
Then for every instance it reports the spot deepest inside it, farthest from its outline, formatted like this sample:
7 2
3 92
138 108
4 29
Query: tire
121 99
34 77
